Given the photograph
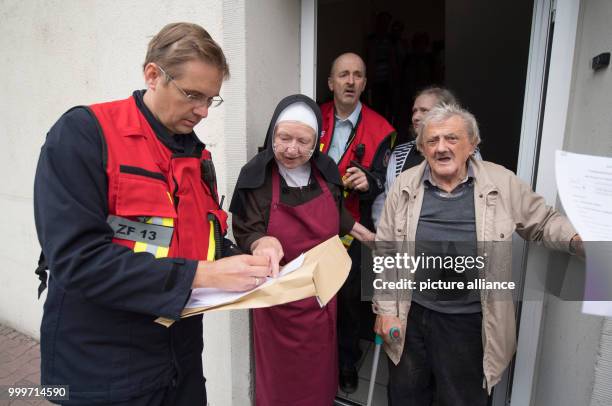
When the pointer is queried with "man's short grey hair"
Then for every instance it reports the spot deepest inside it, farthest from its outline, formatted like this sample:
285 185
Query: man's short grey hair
443 112
442 95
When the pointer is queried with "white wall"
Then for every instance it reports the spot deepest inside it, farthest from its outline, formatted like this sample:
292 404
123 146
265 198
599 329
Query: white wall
576 349
57 54
273 58
589 126
568 350
261 41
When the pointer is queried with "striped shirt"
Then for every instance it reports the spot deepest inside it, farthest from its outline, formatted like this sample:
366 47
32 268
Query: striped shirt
398 157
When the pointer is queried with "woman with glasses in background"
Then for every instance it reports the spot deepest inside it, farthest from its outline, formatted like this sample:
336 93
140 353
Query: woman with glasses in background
288 199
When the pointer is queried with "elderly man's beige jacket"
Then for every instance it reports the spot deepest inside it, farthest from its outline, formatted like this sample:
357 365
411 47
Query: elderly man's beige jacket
503 204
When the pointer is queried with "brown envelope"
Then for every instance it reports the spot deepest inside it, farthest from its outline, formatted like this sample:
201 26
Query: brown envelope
323 272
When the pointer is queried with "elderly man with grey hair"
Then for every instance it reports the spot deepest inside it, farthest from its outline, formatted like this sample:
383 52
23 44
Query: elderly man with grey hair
454 348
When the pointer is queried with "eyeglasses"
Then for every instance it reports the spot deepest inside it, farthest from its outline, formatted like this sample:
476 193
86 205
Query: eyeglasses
281 146
196 100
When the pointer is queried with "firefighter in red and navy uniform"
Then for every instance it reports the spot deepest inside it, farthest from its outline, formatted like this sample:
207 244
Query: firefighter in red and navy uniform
359 140
129 221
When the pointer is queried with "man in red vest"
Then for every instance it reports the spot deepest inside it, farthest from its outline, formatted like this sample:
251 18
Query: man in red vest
129 220
356 138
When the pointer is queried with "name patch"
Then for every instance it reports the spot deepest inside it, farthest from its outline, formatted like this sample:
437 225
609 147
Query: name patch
140 232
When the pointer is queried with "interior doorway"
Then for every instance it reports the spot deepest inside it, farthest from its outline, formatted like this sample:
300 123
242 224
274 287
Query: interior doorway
477 48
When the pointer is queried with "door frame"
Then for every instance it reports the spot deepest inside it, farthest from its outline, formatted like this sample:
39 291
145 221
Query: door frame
545 107
308 48
537 166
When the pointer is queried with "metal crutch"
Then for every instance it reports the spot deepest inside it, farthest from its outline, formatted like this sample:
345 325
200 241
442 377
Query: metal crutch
394 334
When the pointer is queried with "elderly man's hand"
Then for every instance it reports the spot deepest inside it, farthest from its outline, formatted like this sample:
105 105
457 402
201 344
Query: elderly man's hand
576 246
384 324
271 248
356 179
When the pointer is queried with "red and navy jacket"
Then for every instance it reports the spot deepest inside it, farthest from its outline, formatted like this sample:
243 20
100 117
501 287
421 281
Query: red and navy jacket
123 213
150 184
376 135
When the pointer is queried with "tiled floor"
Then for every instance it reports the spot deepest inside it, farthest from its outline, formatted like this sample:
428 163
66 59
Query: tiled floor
365 370
19 364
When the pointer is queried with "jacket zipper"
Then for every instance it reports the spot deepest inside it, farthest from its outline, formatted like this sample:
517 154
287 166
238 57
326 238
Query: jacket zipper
216 234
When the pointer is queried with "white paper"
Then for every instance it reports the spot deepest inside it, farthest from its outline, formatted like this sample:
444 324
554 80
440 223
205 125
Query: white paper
585 189
206 297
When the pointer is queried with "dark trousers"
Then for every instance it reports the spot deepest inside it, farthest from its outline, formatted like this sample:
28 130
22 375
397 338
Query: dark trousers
349 305
441 363
187 389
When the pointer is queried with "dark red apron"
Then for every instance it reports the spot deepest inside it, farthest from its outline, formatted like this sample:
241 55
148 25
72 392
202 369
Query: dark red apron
296 350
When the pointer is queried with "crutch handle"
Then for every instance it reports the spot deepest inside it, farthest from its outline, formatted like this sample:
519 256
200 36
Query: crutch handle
394 333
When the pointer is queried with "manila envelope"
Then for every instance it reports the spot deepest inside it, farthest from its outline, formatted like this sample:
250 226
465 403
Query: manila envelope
325 268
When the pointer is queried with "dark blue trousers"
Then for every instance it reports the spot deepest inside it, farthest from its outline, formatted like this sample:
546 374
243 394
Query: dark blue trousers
187 389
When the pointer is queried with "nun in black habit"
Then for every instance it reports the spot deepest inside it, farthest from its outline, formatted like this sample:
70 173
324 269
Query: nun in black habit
288 199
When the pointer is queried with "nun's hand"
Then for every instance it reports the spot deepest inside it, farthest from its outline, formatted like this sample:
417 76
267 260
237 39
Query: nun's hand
271 248
356 179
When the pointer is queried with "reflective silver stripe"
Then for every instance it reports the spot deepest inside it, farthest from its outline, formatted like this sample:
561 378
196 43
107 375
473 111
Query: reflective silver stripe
140 232
157 220
152 249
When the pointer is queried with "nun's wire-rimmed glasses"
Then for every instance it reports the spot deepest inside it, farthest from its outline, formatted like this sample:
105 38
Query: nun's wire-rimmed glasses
196 100
282 147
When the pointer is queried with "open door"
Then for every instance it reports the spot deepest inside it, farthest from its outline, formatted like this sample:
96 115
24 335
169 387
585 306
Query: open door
489 53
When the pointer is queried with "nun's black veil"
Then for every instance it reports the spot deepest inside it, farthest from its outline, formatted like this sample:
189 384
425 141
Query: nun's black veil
252 175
